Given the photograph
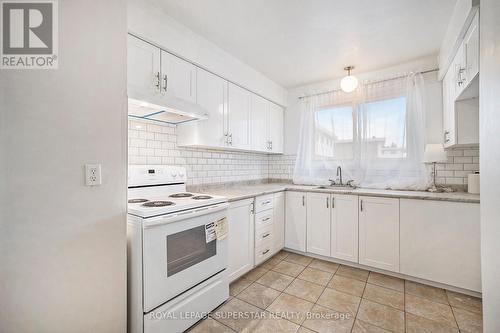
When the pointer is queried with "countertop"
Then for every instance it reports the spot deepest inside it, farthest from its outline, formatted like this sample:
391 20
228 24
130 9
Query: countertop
239 192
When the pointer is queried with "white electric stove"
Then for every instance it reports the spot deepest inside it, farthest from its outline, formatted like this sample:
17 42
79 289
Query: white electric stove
176 264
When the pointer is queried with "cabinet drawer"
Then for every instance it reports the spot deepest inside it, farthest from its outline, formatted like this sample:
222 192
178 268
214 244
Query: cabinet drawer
263 203
263 252
263 219
263 234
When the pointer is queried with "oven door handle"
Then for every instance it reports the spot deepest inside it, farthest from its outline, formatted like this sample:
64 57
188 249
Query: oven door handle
157 221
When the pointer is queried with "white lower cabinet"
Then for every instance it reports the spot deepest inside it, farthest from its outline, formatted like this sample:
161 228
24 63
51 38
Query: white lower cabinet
379 232
279 221
344 227
240 238
295 221
440 241
318 223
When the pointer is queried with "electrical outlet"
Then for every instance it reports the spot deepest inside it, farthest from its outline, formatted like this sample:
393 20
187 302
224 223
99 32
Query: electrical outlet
93 174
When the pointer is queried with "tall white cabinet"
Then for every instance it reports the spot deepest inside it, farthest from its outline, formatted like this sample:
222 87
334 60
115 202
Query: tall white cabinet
379 232
238 117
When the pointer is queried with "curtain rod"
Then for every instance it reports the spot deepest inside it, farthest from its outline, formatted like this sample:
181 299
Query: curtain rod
370 82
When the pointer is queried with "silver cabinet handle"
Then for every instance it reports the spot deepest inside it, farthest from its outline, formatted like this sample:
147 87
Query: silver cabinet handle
157 76
303 200
266 219
252 208
230 138
333 202
270 145
327 202
165 80
265 251
266 202
266 235
361 205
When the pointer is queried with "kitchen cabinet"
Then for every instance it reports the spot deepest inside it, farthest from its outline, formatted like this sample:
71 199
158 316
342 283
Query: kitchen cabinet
295 220
275 130
211 95
318 223
260 123
344 227
240 238
379 232
279 221
238 117
440 241
471 44
179 77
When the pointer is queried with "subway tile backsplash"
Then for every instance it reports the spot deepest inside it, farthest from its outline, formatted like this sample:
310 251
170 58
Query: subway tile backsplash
151 143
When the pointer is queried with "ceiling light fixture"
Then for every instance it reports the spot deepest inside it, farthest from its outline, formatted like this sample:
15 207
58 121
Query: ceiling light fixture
349 83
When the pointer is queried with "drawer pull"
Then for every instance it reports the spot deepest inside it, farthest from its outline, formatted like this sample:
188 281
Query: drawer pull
265 251
266 219
266 202
266 235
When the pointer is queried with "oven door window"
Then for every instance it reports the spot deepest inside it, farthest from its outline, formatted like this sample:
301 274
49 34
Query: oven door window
187 248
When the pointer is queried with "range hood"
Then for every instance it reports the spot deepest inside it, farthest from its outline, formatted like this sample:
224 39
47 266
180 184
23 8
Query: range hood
172 110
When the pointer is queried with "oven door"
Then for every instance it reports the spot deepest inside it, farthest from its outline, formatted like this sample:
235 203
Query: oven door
177 254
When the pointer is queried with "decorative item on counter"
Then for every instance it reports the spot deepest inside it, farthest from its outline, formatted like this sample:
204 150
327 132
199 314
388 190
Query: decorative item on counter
473 183
434 153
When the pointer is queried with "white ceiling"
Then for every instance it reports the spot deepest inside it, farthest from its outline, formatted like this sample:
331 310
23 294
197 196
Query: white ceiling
295 42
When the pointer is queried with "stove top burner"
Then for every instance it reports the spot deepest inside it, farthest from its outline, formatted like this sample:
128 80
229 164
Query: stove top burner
137 200
158 203
201 197
181 195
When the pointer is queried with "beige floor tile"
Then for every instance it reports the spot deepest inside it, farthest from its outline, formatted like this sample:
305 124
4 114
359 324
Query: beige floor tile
291 308
431 310
417 324
324 320
469 322
274 325
250 317
386 281
431 293
210 325
259 295
384 296
363 327
238 286
289 268
316 276
324 265
305 290
298 259
302 329
466 302
255 274
270 263
352 272
339 301
381 316
281 255
347 285
275 280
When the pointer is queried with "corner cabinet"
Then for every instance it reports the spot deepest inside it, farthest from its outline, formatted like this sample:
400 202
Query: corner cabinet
379 232
295 221
240 238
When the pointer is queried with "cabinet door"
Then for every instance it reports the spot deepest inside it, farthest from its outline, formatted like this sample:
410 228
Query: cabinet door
275 128
143 70
279 221
379 232
260 123
318 223
238 117
344 227
240 238
449 108
440 241
295 221
178 77
471 44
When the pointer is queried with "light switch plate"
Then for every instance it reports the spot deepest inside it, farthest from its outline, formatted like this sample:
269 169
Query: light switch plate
93 174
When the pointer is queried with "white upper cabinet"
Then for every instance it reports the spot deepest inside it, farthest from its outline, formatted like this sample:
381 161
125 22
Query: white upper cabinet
238 117
379 232
143 70
344 227
318 223
295 221
211 95
260 123
178 77
275 128
471 43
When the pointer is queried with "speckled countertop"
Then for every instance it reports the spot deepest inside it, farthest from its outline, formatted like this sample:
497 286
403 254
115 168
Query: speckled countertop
244 191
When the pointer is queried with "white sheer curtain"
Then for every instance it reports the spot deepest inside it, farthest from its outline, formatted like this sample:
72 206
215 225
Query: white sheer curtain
377 136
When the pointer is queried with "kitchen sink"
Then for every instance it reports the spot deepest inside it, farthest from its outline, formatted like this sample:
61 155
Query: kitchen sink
336 187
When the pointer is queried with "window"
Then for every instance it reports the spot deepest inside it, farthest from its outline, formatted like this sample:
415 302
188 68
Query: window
381 132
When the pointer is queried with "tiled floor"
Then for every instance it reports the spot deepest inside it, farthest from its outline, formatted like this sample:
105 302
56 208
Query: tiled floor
296 294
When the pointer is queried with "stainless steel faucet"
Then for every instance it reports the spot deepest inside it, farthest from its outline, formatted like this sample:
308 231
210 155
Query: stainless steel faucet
339 175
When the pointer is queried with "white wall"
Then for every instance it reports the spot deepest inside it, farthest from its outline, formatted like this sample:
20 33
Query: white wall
434 108
149 21
63 245
490 160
